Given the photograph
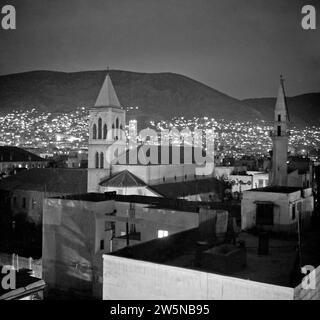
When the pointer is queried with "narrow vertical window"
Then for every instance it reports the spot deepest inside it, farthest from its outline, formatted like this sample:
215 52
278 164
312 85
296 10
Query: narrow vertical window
94 132
100 128
101 160
105 131
279 131
97 160
279 117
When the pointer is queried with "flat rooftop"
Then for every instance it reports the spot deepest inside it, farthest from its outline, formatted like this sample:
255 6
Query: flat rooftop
276 189
278 267
156 202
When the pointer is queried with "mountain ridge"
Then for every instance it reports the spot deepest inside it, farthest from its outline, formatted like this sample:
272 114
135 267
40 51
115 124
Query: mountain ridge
159 96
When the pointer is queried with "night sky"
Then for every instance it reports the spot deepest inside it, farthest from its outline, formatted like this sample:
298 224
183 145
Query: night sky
238 47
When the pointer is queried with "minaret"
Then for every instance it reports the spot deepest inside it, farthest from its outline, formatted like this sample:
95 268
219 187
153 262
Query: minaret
106 123
280 137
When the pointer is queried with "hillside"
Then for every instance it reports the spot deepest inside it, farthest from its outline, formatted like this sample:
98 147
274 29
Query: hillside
303 109
159 96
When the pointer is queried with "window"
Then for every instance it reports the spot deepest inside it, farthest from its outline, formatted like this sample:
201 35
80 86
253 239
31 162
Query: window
117 123
293 211
105 131
101 160
97 160
94 132
162 233
101 244
260 183
279 117
264 214
24 203
99 128
33 203
299 206
279 131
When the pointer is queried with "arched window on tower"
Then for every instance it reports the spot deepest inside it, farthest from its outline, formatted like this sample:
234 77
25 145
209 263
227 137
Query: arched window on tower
101 160
97 160
105 131
100 128
94 132
112 131
279 117
117 123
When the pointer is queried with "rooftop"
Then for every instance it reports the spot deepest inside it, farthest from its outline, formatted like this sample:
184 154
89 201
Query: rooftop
123 179
181 250
155 202
15 154
276 189
56 180
191 187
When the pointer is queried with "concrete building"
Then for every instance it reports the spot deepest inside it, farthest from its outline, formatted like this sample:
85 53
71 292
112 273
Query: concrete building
276 208
78 229
248 180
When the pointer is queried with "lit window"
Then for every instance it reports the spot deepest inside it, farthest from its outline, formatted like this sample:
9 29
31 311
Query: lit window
162 233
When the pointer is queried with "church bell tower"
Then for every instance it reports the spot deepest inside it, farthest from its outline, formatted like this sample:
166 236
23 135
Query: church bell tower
106 126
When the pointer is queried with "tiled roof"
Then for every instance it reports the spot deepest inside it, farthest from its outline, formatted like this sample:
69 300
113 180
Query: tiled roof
186 188
49 180
123 179
15 154
107 96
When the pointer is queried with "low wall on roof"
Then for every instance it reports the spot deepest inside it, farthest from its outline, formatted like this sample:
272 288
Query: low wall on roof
125 278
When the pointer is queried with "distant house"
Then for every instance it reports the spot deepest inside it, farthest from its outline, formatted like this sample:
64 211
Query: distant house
276 208
14 158
77 160
27 189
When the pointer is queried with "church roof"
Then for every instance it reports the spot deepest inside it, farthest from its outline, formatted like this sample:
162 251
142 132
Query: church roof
123 179
107 96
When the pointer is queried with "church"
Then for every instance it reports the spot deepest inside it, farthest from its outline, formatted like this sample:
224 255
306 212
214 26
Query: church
107 137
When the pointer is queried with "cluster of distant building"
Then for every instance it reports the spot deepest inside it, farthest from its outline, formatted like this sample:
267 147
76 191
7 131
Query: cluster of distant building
163 231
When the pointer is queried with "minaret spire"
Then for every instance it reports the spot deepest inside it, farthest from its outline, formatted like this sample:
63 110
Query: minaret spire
280 137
